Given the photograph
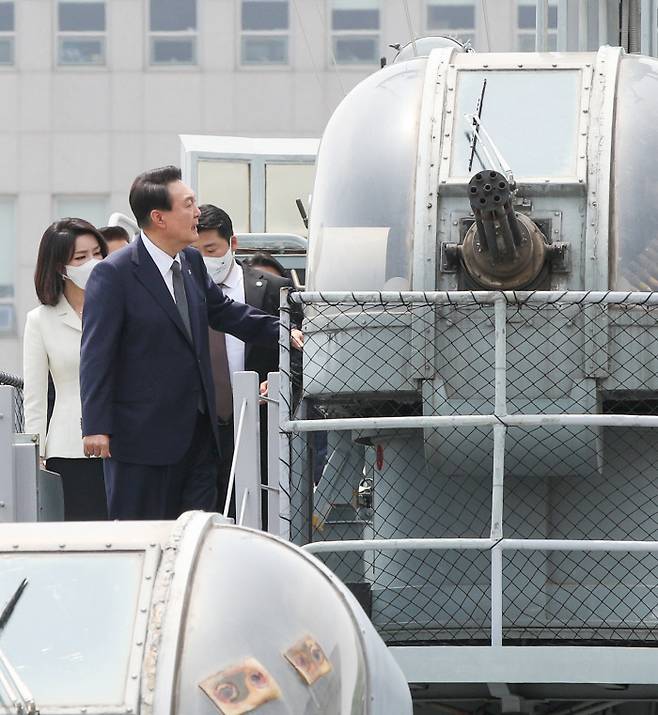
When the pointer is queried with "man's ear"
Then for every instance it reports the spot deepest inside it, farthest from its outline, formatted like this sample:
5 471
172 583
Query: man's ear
234 243
157 219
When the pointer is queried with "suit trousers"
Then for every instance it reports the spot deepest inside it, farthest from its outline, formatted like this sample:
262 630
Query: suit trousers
82 483
138 491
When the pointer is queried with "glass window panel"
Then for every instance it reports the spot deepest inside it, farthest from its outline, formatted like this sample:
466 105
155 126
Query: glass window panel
81 51
355 19
349 49
450 17
173 50
173 15
283 184
264 50
81 16
90 208
7 247
265 15
526 42
83 608
226 184
6 16
538 139
526 16
6 50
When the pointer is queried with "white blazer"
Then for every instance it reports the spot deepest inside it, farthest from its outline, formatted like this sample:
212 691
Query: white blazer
52 342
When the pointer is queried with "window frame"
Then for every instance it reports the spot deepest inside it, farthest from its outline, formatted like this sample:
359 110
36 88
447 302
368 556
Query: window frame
101 197
552 32
263 66
195 35
451 32
11 36
10 300
333 34
82 35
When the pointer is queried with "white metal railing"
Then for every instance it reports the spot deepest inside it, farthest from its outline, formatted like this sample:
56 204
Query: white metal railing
500 420
496 548
245 473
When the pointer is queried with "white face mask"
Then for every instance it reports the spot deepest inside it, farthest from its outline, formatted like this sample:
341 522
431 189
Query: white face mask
219 268
80 274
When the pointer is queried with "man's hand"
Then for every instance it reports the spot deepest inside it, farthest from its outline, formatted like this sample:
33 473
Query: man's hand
297 339
96 445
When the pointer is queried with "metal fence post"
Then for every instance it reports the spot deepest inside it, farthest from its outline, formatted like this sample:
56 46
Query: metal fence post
277 493
7 473
500 411
497 595
246 456
285 415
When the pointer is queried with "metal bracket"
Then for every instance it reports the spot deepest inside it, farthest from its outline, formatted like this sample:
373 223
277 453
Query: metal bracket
449 257
559 257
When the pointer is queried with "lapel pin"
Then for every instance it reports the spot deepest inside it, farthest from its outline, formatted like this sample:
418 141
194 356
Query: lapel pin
259 283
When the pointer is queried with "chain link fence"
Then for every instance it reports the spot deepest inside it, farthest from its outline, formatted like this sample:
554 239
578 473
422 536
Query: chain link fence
17 383
394 418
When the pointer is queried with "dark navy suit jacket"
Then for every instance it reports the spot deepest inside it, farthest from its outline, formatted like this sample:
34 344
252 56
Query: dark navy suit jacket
141 379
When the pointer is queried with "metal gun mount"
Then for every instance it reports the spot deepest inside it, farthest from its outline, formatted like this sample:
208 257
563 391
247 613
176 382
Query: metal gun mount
502 249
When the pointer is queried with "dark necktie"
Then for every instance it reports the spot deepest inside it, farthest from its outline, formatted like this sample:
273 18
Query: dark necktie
181 298
184 310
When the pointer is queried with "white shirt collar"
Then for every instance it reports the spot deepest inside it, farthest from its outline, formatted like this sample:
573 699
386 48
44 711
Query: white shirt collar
235 276
161 259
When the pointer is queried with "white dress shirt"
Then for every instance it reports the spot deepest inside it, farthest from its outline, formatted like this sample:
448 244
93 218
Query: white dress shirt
163 262
233 288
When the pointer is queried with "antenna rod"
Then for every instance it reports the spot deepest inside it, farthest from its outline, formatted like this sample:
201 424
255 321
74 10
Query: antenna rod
411 27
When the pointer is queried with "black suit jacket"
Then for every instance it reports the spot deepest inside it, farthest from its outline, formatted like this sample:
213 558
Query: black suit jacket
262 290
141 378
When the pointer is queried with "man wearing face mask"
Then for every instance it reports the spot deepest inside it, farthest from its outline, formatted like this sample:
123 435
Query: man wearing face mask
217 244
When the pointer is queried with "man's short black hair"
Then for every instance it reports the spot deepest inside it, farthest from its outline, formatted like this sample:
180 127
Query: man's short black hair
114 233
150 192
214 218
261 259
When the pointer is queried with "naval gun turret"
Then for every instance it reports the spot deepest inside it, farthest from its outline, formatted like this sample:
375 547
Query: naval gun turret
480 346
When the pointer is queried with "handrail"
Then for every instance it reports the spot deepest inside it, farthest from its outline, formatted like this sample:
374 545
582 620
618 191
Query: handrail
7 378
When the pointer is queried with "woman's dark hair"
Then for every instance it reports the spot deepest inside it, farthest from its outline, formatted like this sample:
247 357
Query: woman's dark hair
55 251
150 191
265 260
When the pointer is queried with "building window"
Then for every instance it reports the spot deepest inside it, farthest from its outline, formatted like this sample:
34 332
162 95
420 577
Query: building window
173 32
355 31
7 264
6 33
265 29
91 208
526 19
452 18
81 32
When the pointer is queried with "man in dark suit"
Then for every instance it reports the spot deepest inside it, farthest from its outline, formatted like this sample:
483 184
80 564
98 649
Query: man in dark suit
148 400
260 289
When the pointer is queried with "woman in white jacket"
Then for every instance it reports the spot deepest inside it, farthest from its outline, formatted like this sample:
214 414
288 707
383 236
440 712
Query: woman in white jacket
69 250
